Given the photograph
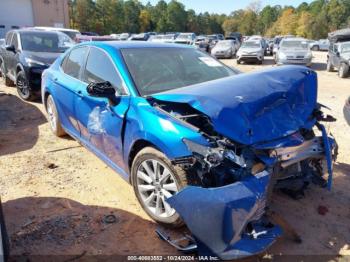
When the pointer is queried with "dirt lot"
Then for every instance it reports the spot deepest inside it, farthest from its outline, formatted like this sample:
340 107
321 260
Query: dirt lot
56 193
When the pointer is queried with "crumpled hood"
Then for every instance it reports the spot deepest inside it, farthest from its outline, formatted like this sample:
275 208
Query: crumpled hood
254 107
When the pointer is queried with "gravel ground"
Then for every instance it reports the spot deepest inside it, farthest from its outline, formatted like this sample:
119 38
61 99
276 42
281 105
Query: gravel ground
56 193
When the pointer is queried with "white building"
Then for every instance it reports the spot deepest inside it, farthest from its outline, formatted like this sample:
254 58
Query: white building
26 13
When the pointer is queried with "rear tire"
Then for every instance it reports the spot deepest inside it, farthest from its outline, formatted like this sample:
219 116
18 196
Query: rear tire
343 70
4 79
159 186
23 88
52 117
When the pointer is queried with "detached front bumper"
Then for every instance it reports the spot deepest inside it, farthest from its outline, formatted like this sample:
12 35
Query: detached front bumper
228 221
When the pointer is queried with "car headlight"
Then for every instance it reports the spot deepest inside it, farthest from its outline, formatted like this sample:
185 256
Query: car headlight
308 55
33 62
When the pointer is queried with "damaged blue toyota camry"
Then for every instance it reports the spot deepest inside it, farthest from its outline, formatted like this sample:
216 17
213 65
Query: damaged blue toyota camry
201 143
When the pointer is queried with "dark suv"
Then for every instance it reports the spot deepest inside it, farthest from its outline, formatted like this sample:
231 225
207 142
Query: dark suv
26 54
339 52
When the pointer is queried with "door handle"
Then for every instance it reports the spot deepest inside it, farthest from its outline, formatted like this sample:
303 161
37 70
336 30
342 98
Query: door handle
80 94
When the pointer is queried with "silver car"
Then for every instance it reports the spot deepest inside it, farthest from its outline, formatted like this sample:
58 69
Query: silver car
251 51
294 51
224 49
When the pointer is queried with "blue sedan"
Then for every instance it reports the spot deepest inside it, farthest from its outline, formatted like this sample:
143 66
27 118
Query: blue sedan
198 141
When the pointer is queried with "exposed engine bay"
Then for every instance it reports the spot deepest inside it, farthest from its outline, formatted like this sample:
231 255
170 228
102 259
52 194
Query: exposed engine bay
226 162
254 139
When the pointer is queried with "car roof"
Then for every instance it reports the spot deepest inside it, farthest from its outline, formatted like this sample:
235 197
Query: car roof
33 30
56 28
294 39
133 44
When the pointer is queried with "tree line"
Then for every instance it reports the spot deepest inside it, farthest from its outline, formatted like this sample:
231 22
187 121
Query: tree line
312 20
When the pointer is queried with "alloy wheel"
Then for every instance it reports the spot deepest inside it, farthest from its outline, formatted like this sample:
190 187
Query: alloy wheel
155 184
51 113
22 87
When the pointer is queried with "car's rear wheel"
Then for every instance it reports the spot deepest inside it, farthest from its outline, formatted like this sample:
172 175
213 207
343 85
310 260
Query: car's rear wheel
52 117
4 79
329 66
343 70
154 180
23 88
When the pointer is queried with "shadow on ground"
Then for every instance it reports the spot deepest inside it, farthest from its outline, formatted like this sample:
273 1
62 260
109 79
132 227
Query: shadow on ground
60 229
19 128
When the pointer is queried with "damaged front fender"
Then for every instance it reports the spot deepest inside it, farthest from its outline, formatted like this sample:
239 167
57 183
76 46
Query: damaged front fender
228 221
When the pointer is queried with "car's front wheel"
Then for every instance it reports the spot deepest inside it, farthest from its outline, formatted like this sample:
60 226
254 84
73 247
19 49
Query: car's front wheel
52 117
23 88
343 70
154 180
329 66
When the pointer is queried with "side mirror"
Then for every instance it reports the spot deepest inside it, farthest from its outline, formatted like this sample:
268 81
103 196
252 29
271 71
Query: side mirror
103 89
11 48
337 53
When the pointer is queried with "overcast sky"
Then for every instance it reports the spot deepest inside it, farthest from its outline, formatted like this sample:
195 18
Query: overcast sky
227 6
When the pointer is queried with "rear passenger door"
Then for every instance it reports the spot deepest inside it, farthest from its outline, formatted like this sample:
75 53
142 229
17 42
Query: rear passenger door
101 124
66 85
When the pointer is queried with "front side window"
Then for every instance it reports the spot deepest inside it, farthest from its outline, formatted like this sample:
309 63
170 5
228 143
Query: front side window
100 68
73 62
156 70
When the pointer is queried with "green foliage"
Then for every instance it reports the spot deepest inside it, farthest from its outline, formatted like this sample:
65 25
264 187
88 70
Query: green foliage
311 20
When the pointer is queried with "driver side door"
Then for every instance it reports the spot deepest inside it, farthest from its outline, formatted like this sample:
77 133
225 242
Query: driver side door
101 124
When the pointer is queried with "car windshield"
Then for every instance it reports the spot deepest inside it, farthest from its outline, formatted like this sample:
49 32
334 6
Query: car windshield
157 70
294 44
52 42
251 45
345 48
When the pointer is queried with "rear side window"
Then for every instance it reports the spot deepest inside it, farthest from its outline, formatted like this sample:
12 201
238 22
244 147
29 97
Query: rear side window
73 62
100 68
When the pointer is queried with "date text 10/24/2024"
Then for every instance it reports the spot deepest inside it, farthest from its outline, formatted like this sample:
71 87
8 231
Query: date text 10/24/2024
172 258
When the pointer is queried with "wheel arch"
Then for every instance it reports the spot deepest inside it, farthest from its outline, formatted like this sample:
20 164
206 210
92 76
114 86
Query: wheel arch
136 147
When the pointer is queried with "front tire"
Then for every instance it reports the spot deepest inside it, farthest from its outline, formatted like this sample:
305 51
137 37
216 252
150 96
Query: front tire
329 66
23 88
155 179
343 70
52 117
